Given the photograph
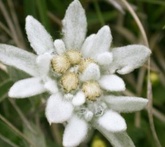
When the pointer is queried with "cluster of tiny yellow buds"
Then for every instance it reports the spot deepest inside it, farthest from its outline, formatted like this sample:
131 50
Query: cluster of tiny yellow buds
74 56
60 63
92 90
84 63
69 81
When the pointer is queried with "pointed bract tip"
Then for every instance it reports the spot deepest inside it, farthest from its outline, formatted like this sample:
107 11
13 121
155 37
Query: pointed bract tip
50 123
105 28
11 93
29 17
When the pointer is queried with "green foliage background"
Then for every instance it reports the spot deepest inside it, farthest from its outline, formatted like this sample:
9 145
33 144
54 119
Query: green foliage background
23 122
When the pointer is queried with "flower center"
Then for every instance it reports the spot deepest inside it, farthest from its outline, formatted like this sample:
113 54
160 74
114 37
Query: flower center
74 56
84 63
60 63
92 90
69 65
69 81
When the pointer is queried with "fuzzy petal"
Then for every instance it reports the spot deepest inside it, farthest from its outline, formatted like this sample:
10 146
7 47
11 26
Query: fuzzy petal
128 58
92 72
38 37
104 58
43 62
101 42
87 45
51 86
75 132
112 83
27 88
78 99
19 58
125 103
112 121
118 139
74 26
59 46
58 110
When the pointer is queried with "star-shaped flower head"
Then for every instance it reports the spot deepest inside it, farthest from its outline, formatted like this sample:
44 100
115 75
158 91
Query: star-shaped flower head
80 75
88 82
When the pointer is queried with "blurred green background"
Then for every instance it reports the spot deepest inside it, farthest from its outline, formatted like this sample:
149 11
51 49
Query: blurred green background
23 122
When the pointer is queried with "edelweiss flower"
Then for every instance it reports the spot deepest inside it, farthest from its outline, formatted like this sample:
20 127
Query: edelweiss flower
80 75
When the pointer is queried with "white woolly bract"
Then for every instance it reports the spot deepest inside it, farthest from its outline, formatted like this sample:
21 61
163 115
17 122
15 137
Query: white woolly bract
117 139
112 121
74 26
51 86
79 99
59 46
128 58
92 72
104 58
75 132
99 44
112 83
125 103
87 45
38 37
43 62
18 58
27 88
58 110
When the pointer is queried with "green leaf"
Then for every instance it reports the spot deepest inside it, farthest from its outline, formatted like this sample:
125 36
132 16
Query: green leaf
3 75
30 7
8 141
10 135
16 74
4 88
106 16
158 2
42 8
58 5
119 139
37 138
